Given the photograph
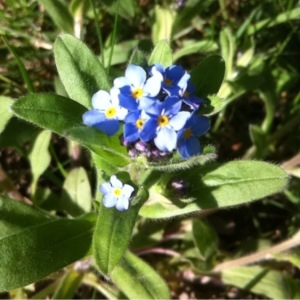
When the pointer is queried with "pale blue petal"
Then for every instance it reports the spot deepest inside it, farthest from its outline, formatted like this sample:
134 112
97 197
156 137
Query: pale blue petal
105 188
136 75
127 190
101 100
178 121
115 182
114 96
109 200
146 103
121 81
122 203
92 117
153 85
166 139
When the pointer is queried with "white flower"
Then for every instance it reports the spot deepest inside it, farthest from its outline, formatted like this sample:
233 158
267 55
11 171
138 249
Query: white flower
116 194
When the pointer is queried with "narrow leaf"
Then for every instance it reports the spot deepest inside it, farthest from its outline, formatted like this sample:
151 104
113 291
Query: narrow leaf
59 13
269 283
113 232
208 76
79 69
39 157
138 280
230 184
77 194
5 111
161 54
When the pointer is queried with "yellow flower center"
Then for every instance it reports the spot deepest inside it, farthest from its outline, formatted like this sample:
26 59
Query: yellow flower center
137 93
139 123
186 94
168 81
117 192
187 133
162 120
110 112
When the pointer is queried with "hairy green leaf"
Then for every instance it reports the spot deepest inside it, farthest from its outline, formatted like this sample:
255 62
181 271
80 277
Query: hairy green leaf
34 245
161 54
79 69
113 232
230 184
138 280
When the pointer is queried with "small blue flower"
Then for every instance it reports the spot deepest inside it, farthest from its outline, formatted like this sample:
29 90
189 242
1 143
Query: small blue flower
174 78
134 123
106 113
163 124
188 96
136 91
188 142
116 194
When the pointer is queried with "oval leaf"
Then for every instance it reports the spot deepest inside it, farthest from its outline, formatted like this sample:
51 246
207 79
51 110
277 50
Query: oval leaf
5 112
224 185
208 76
35 246
138 280
79 69
161 54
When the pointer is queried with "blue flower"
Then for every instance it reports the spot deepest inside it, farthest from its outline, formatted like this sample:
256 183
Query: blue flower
174 78
164 121
136 91
188 142
188 96
116 194
134 123
106 112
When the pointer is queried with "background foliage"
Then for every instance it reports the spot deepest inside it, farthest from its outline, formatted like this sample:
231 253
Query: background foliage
204 255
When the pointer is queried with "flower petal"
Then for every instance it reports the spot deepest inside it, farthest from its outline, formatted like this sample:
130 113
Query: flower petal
105 188
109 127
109 200
101 100
148 131
200 125
93 117
127 190
153 85
178 121
166 139
122 203
115 182
121 82
136 75
131 133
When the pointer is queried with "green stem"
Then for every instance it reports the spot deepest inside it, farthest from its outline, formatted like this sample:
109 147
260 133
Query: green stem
113 39
99 34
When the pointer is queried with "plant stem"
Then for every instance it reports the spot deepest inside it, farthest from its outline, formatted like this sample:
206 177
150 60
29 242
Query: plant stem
261 255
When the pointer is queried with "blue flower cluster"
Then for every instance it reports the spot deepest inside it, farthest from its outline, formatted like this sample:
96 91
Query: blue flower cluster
157 106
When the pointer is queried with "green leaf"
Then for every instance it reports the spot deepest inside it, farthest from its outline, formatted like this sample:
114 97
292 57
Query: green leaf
77 194
138 58
59 13
125 8
208 76
192 46
5 112
269 283
79 69
230 184
39 157
64 116
161 54
162 27
138 280
113 232
17 132
49 111
34 245
68 285
213 104
205 239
